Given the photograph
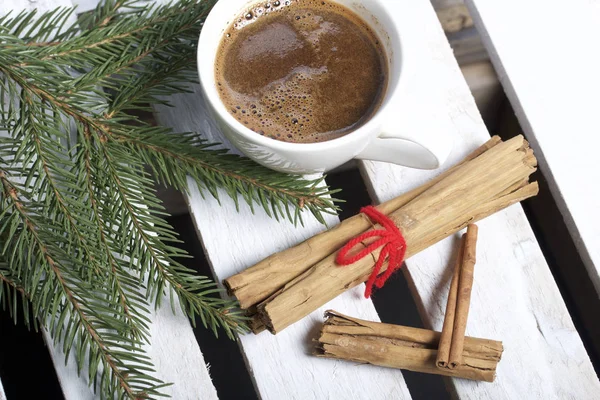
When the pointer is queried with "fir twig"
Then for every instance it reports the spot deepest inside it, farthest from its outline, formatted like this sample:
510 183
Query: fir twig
12 293
86 321
84 245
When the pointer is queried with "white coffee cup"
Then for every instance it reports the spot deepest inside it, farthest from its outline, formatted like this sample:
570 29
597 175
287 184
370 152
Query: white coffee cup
381 138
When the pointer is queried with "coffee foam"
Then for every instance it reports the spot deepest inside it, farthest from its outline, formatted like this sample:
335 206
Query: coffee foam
300 71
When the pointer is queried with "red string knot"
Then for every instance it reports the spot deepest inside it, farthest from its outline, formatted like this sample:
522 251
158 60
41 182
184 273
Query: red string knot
394 249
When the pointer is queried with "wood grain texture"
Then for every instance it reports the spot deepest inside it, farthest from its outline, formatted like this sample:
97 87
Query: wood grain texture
514 298
174 350
281 365
551 78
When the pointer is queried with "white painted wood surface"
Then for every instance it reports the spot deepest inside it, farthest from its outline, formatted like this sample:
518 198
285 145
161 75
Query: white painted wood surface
281 365
515 298
548 63
2 395
87 5
174 349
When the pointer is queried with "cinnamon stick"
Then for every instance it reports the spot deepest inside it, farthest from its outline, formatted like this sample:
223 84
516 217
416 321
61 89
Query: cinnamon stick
260 281
396 346
446 337
473 191
463 300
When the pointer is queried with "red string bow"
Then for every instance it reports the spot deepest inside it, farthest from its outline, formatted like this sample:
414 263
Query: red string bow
394 247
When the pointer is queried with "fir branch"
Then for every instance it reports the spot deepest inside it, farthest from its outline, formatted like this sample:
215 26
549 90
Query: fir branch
131 66
157 79
131 302
12 293
84 235
44 165
176 156
89 319
176 153
83 239
35 30
193 304
161 266
132 29
105 13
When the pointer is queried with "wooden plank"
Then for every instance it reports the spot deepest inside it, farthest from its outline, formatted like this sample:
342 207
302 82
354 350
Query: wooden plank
173 349
551 78
515 298
85 5
281 365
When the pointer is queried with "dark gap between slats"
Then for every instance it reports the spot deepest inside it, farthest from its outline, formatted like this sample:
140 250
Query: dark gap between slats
26 369
558 247
394 302
223 356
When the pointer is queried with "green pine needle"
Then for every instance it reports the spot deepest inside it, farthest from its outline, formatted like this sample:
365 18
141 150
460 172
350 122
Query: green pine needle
84 246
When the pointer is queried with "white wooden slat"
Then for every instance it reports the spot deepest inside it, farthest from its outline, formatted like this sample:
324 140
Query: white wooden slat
85 5
281 365
515 298
173 349
548 64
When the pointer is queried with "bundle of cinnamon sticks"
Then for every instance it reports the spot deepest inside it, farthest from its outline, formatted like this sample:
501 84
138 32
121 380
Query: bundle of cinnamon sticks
289 285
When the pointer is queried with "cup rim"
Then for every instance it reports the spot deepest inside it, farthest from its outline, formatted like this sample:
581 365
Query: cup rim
210 91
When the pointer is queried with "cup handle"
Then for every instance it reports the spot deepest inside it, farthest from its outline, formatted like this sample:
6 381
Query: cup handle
424 151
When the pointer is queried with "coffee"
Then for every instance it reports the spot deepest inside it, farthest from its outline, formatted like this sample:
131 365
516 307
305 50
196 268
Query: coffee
301 71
